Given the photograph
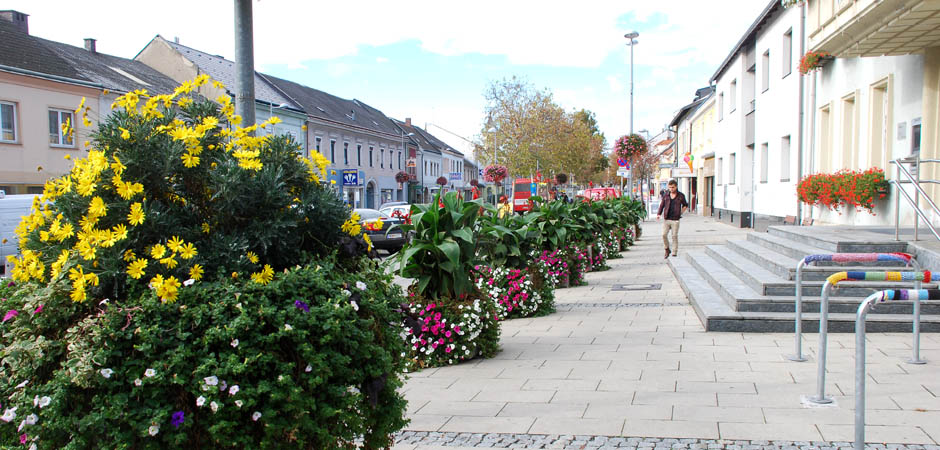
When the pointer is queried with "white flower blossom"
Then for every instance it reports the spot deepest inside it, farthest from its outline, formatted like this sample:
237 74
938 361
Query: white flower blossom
234 343
308 368
214 406
153 430
149 373
200 401
211 381
346 293
361 285
238 403
138 382
22 385
288 327
355 305
255 416
189 282
32 419
223 385
9 414
106 373
233 390
33 446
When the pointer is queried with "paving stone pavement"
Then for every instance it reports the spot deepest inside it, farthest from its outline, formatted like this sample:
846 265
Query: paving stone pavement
637 366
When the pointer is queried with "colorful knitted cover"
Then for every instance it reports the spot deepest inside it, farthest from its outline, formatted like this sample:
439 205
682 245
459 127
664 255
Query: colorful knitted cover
860 257
909 294
879 276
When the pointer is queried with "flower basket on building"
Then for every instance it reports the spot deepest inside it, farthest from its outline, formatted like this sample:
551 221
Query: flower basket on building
858 189
402 177
814 61
789 3
441 181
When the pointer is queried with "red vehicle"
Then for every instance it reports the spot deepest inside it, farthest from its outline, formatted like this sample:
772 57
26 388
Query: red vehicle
601 193
521 192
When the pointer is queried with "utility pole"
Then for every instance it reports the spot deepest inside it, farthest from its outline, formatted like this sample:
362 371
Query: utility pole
244 63
631 41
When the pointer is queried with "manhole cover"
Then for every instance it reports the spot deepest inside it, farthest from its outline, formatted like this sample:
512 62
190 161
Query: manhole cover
636 287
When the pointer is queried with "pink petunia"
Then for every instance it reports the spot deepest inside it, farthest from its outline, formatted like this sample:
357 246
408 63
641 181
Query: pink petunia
10 314
38 309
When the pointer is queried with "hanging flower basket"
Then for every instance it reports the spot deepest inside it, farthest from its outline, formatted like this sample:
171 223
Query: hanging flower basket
629 146
789 3
474 182
402 177
814 61
441 181
495 173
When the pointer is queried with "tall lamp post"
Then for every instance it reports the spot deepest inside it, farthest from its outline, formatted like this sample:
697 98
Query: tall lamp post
404 149
631 41
493 130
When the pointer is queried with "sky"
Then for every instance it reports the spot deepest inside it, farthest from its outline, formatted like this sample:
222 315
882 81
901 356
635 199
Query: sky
431 61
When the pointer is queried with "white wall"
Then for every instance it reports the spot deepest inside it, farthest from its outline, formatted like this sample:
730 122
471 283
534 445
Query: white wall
777 115
844 76
729 137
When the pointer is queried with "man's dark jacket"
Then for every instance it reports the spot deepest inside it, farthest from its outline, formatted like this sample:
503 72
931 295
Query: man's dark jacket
672 206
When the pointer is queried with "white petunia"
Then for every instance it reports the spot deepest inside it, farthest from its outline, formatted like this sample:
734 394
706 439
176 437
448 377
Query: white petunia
33 446
200 401
234 343
32 419
346 293
308 368
138 382
233 390
9 414
255 416
189 282
149 373
153 430
238 403
106 373
211 381
23 384
355 305
223 385
288 327
361 285
214 406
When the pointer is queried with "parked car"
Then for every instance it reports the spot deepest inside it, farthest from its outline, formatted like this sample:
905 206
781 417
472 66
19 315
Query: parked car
390 237
601 193
388 204
395 210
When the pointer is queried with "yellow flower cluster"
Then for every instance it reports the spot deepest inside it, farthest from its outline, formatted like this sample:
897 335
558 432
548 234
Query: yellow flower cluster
167 289
316 166
352 227
264 276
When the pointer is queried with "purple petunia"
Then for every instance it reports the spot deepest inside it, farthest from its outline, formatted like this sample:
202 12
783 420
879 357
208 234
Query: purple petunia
301 305
10 314
178 418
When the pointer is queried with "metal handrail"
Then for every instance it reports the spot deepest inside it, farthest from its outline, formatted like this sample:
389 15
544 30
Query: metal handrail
915 202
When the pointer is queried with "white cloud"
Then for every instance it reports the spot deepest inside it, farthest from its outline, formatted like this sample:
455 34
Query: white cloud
614 83
381 60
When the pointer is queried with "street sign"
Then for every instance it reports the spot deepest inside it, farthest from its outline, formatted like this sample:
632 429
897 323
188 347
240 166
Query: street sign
623 173
411 162
621 162
456 176
350 177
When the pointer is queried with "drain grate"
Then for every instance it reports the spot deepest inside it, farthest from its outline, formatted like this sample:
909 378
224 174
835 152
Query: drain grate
702 231
617 305
637 287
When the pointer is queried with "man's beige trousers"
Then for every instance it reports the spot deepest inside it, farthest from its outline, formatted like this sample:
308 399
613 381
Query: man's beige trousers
671 225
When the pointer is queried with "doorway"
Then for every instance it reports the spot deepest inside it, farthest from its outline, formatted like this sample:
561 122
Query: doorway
709 200
370 195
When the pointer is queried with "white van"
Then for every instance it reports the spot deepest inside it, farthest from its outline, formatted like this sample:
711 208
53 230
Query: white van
12 210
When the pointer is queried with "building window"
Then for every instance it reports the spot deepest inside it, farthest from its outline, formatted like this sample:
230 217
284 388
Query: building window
787 53
371 148
849 128
732 95
880 120
56 119
382 158
731 168
765 71
399 160
391 157
7 122
721 106
763 162
719 168
825 138
333 151
785 159
318 145
346 153
359 155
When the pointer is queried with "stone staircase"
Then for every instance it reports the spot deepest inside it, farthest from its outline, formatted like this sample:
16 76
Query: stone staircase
748 285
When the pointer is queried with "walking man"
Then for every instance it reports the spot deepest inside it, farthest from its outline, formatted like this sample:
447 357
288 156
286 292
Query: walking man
673 204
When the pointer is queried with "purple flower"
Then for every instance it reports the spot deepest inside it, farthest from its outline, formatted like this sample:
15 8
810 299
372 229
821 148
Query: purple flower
301 305
10 314
11 284
178 418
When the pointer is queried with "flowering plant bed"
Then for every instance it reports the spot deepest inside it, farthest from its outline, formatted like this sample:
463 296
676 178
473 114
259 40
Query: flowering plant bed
446 331
516 293
858 189
578 264
609 245
554 267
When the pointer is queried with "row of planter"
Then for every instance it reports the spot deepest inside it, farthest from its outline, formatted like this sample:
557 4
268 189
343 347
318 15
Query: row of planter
473 269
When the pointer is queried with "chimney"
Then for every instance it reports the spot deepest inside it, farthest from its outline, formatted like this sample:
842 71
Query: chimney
176 39
408 121
90 45
20 20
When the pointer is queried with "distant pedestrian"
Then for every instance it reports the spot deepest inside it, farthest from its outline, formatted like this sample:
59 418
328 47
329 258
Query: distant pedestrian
505 209
673 203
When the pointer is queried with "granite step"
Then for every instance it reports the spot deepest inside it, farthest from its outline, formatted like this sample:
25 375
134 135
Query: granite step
785 266
710 307
836 244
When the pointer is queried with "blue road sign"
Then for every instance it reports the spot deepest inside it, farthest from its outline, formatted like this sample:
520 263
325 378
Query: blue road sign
533 188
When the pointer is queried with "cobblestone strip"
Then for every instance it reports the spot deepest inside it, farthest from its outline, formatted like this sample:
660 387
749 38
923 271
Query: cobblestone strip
582 442
618 305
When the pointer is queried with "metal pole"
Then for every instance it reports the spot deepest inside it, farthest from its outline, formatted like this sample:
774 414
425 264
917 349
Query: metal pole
631 85
823 342
802 115
917 195
244 63
860 370
897 201
915 351
798 323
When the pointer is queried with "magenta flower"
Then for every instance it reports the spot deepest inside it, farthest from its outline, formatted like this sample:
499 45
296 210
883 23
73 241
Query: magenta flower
38 309
10 314
23 439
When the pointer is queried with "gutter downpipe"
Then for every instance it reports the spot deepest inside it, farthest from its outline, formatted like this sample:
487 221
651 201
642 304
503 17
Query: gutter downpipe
802 114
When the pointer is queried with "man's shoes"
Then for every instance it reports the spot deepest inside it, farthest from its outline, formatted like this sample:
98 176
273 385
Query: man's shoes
667 254
675 254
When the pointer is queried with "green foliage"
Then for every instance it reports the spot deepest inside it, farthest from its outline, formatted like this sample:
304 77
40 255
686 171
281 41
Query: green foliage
321 378
506 242
442 251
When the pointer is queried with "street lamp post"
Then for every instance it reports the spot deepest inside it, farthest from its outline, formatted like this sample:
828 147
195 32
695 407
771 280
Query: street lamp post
631 41
405 150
